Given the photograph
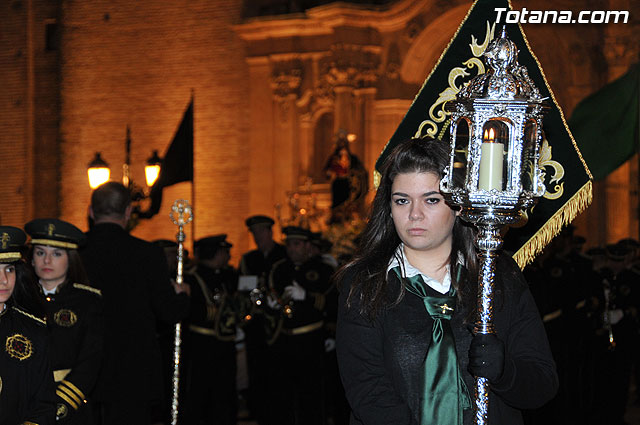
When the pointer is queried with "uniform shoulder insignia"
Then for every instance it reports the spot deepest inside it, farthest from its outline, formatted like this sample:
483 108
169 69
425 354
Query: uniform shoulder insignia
88 288
29 315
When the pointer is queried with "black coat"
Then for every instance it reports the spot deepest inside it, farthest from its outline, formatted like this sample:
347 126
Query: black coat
74 317
214 300
133 277
27 391
313 275
255 263
381 361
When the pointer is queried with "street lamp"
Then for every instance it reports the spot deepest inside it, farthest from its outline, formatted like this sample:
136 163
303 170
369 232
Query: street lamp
152 168
98 171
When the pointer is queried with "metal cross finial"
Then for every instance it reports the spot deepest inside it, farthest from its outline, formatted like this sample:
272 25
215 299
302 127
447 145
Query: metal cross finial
181 212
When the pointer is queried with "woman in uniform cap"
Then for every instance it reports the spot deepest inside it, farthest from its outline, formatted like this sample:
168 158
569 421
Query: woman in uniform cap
74 315
26 384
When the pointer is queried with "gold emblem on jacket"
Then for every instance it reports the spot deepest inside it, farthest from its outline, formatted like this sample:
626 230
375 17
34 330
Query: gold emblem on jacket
65 318
62 411
19 347
312 275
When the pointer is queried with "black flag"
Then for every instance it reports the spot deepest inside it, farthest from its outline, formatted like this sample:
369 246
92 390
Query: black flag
177 164
567 178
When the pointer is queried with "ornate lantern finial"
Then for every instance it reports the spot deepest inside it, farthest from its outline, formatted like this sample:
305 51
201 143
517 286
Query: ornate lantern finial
496 133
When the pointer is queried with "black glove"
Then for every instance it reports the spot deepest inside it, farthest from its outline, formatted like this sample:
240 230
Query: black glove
486 357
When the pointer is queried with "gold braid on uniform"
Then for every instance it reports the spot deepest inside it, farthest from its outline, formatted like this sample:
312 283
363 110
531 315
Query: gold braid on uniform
88 288
70 394
319 300
36 318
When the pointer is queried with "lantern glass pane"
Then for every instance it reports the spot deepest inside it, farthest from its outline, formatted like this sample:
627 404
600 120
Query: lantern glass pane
493 155
98 176
528 155
461 153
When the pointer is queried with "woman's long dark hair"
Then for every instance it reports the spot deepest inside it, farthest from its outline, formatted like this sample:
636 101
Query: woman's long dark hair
26 294
379 241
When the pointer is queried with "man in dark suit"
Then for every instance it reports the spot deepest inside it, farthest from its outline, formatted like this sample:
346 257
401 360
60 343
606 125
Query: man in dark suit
136 290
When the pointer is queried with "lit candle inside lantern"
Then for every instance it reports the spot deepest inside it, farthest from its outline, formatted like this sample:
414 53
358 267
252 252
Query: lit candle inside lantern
491 154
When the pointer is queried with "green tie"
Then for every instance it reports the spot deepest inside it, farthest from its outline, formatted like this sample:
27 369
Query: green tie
445 394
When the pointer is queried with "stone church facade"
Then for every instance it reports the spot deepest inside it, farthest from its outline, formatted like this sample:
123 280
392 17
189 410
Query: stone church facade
270 93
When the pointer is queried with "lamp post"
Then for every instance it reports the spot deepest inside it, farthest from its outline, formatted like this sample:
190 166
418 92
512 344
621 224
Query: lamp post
152 168
98 170
493 173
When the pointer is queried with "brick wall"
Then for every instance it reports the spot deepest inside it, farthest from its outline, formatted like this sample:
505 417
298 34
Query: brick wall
28 112
14 109
136 63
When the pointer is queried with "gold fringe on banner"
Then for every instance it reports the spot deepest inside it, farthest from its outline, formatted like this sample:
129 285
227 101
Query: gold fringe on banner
569 211
565 215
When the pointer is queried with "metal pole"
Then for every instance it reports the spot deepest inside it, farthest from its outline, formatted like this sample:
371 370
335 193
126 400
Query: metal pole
181 214
489 242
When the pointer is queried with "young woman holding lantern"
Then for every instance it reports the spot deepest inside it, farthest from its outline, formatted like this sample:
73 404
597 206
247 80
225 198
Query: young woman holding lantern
406 351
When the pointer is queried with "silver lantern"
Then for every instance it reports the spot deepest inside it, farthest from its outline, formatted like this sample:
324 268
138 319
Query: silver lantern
493 173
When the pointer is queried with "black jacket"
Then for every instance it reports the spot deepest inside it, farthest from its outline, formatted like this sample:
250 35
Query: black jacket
133 277
27 392
381 361
213 301
313 275
74 318
255 263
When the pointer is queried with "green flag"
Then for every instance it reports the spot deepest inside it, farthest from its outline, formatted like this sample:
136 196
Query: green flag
605 124
567 178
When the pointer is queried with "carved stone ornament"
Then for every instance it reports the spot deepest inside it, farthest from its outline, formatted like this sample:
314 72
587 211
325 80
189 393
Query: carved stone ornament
286 78
352 65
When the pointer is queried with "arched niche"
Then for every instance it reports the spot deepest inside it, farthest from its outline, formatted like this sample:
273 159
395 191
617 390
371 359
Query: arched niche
323 136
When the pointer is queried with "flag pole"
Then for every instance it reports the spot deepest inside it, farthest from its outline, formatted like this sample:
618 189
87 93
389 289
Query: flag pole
193 177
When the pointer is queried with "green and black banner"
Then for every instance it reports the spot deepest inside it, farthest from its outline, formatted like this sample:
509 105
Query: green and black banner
605 124
567 178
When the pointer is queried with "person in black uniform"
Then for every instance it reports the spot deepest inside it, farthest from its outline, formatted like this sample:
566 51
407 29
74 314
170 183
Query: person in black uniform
74 316
258 262
210 355
133 278
256 265
300 283
619 317
27 392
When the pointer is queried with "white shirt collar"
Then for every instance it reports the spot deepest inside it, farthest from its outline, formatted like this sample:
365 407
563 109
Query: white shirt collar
47 292
408 270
